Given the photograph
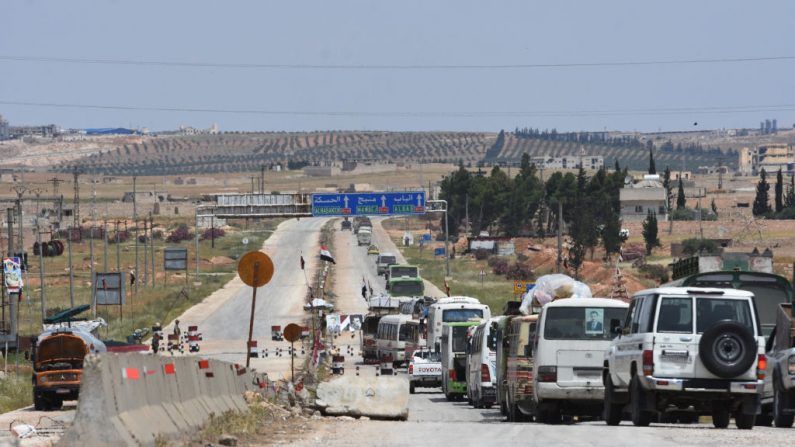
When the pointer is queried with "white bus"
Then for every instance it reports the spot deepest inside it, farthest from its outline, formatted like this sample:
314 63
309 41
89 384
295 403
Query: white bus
456 309
391 337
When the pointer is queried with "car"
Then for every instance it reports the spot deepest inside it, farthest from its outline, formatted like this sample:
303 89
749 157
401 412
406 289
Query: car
346 225
425 370
683 352
373 250
778 401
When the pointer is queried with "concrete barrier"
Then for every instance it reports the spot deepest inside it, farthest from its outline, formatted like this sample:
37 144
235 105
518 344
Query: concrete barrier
385 397
132 399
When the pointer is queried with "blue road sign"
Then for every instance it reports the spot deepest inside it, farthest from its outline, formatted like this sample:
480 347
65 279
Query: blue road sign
438 251
426 237
368 204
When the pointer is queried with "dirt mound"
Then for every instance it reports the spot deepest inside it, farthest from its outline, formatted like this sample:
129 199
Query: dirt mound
221 260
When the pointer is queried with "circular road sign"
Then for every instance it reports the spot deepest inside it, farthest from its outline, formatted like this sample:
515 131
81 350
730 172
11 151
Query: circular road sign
292 332
245 241
255 262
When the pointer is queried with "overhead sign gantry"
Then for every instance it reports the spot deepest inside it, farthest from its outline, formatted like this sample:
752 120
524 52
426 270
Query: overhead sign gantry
368 204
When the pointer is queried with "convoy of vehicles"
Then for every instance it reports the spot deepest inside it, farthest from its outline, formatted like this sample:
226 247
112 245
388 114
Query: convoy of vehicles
690 348
688 351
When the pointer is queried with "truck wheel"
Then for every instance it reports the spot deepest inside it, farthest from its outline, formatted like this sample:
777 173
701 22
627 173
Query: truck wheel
727 349
640 416
720 415
503 408
56 403
744 421
411 388
780 403
40 403
612 410
549 413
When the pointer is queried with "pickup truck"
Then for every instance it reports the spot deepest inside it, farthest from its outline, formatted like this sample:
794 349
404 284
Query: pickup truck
425 370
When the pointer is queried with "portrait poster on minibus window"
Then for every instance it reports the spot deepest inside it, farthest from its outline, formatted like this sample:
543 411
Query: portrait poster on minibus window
356 323
594 321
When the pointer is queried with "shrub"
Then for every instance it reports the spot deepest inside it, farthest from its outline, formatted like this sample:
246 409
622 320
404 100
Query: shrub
656 272
519 270
182 233
499 266
693 246
120 236
482 253
213 233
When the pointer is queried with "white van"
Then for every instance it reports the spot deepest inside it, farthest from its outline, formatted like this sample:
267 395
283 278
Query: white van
482 365
383 262
573 335
391 338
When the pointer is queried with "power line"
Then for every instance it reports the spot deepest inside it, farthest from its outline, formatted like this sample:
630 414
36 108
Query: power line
416 114
187 64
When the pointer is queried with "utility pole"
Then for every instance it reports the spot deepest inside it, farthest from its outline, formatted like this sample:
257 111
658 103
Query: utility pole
146 256
58 203
262 180
118 248
91 240
71 270
467 212
560 236
105 238
76 210
20 190
152 246
135 219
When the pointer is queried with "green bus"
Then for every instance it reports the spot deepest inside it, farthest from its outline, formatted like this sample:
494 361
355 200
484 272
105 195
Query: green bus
769 290
454 358
405 286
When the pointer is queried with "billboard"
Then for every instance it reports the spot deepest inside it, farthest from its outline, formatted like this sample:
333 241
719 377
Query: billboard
12 270
109 288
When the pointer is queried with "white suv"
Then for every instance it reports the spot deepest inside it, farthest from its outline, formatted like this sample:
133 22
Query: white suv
684 352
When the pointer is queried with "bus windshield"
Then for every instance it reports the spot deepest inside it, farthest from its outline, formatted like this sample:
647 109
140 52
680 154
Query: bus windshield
581 323
406 288
460 315
400 270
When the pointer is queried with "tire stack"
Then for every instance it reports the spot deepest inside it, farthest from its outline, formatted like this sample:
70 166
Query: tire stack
48 249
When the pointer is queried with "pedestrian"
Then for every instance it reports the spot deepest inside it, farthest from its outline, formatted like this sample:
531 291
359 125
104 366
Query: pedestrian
177 330
364 291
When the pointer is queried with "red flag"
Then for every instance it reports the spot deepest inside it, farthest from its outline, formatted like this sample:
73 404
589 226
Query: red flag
302 263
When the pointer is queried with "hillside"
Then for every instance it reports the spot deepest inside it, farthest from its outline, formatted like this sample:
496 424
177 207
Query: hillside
247 152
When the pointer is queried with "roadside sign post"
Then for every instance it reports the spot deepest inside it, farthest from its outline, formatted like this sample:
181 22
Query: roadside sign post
255 270
292 333
482 275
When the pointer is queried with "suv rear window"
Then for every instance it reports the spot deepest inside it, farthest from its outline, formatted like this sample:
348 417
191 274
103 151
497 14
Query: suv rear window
711 310
387 260
676 315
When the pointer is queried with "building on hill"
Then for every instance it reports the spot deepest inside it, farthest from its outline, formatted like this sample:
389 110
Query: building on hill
588 162
4 131
770 157
637 198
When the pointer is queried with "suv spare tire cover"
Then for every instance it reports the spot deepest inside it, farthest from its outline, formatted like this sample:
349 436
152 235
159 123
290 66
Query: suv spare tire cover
727 349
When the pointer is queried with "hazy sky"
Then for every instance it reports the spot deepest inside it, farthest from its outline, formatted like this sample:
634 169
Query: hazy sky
406 32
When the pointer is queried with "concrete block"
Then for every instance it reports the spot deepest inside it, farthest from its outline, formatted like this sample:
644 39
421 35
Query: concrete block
378 398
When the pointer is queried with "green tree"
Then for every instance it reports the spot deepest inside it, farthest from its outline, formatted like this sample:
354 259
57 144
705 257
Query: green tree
454 189
652 166
667 186
650 232
761 201
714 207
617 167
789 201
779 199
680 196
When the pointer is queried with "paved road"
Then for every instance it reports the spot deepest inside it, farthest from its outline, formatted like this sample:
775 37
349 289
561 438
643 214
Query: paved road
223 318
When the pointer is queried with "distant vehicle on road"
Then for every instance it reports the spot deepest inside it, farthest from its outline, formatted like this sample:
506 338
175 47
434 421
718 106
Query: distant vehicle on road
516 393
778 400
402 271
346 225
403 286
364 236
383 262
372 250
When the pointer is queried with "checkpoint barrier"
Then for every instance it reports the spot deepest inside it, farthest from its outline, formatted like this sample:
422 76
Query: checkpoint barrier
131 399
